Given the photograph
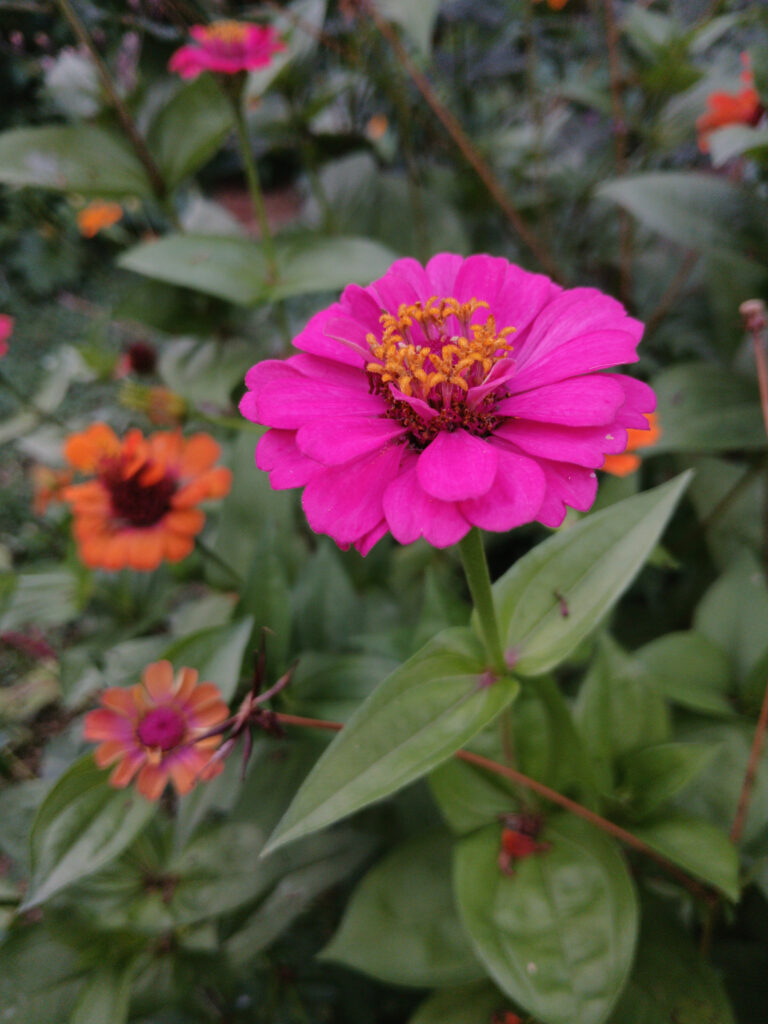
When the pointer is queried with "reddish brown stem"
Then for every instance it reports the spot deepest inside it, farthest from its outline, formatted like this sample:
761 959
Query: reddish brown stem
462 141
670 295
549 794
752 765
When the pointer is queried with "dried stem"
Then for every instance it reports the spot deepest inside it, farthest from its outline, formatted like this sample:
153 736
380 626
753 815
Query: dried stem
462 141
672 291
549 794
128 124
748 785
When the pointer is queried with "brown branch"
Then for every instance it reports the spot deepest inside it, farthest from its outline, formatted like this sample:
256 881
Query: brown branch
549 794
672 292
128 124
462 141
752 765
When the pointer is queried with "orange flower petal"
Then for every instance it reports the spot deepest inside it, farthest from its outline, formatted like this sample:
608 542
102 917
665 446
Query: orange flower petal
152 780
104 724
109 752
158 680
186 683
200 453
125 771
86 450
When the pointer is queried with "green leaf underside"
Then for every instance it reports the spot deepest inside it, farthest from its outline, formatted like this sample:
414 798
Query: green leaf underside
72 158
417 718
81 826
559 936
236 268
406 903
587 566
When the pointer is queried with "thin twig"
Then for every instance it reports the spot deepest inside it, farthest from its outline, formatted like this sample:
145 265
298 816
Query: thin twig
462 141
128 124
752 765
672 291
549 794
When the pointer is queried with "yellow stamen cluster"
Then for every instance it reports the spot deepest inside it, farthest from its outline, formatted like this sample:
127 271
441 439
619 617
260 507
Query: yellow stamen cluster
403 362
226 31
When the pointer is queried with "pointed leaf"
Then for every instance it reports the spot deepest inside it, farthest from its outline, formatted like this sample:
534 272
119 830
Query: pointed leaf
699 847
653 775
217 653
417 718
559 935
557 593
189 129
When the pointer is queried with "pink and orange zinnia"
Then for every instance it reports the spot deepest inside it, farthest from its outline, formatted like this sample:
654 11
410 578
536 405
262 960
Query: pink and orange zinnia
140 507
226 47
466 393
158 730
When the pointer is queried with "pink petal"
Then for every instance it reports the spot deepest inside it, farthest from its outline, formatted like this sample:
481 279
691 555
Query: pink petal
285 398
585 354
521 299
366 543
345 501
394 290
333 334
578 402
412 513
344 438
441 271
277 454
515 497
586 446
639 400
104 724
480 277
456 466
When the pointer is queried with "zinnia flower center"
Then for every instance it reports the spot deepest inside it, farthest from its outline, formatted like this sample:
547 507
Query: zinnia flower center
136 500
162 727
431 352
226 33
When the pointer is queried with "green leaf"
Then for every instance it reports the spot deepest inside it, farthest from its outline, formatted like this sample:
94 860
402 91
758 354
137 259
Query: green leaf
559 935
420 715
556 594
81 825
689 669
706 408
470 1004
653 775
416 20
189 129
333 685
43 598
39 977
679 205
236 268
205 372
405 904
701 849
217 653
683 988
72 158
726 143
105 997
326 608
468 798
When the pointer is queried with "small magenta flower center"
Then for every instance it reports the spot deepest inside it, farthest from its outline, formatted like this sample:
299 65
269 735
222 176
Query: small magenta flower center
432 352
137 501
163 728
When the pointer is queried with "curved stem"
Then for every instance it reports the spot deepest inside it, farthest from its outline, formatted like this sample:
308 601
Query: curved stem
479 580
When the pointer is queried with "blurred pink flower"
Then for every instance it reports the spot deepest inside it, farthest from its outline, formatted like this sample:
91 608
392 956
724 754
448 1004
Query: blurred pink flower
226 47
6 330
158 728
464 393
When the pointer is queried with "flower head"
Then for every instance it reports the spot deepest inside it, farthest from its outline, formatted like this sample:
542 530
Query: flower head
462 393
725 108
624 464
227 47
158 728
97 216
139 357
140 508
6 330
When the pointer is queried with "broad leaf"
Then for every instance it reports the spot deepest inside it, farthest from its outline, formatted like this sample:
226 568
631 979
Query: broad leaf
557 593
470 1004
39 977
189 129
698 847
417 20
216 653
704 408
689 669
469 798
420 715
105 997
405 904
558 936
81 826
72 158
236 268
727 143
654 774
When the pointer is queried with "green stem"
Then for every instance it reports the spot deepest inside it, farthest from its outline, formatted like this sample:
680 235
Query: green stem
479 580
254 186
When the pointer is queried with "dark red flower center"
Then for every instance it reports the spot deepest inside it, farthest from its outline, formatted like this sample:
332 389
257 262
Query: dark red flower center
432 354
163 728
136 503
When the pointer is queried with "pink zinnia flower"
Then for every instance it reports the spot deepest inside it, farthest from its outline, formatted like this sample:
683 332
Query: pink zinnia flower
464 393
6 330
227 47
155 728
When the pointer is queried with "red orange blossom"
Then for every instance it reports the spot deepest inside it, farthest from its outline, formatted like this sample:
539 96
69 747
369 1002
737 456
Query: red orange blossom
725 108
140 508
157 730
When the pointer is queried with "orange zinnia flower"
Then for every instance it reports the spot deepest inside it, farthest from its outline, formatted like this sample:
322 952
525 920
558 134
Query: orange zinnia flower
158 728
141 507
624 464
97 216
725 108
